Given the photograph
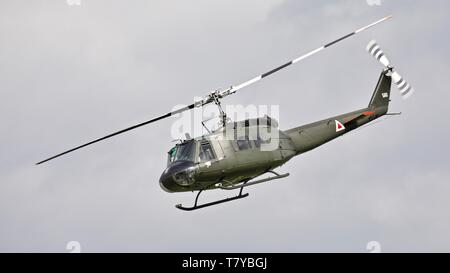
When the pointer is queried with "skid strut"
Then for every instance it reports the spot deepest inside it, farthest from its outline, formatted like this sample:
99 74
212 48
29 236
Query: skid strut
240 186
239 196
259 181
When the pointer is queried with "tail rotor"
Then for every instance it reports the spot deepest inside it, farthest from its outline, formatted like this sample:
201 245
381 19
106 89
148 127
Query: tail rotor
403 86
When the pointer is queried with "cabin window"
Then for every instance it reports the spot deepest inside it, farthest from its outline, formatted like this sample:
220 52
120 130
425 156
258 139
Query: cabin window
258 141
206 151
243 143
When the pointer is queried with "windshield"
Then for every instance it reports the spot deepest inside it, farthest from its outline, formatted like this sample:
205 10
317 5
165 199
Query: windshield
183 151
186 151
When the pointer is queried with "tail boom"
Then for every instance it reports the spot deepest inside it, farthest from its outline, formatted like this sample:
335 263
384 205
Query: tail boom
313 135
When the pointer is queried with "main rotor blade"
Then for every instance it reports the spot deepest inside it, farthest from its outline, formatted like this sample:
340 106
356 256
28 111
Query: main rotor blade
255 79
124 130
222 94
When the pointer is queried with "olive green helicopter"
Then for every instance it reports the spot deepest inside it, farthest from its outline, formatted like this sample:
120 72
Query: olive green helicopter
237 153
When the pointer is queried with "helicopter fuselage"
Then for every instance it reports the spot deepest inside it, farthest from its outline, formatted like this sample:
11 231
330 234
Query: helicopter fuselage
241 151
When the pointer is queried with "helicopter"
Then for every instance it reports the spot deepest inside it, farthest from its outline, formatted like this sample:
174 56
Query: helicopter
237 153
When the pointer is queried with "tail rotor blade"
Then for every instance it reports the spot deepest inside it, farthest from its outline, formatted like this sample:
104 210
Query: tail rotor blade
375 50
403 86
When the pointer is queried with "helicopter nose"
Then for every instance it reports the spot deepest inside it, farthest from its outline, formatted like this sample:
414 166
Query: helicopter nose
177 176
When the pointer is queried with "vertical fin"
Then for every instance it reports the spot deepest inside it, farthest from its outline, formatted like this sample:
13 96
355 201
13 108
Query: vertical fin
382 92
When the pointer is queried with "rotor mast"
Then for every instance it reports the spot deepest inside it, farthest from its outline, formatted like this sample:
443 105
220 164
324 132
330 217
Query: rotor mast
215 96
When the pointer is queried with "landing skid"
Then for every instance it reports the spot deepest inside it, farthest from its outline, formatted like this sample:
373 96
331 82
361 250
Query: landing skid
240 186
179 206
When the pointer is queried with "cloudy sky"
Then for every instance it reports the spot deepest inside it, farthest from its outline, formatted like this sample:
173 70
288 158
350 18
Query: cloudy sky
69 74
